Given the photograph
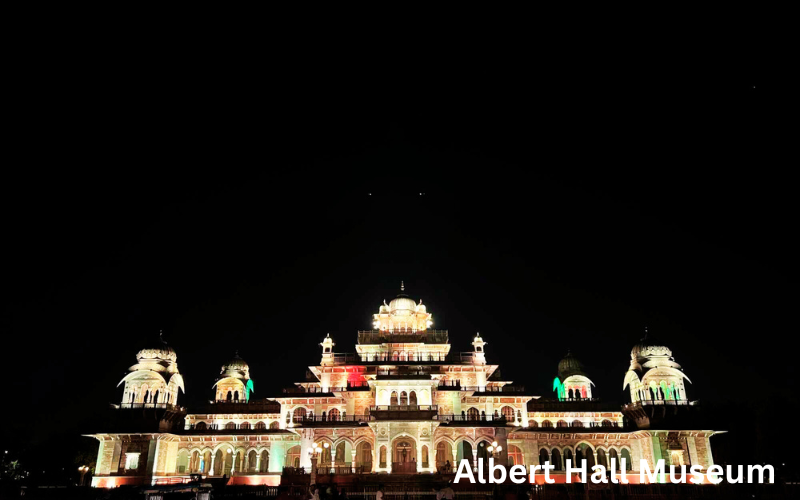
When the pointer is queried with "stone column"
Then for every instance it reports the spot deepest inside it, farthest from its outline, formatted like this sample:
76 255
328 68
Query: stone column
306 440
333 460
213 460
475 459
454 451
258 462
353 460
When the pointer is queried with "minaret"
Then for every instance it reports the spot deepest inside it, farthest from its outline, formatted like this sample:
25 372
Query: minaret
479 358
327 360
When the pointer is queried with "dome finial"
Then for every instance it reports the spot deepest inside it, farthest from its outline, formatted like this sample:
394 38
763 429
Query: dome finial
402 287
161 337
645 332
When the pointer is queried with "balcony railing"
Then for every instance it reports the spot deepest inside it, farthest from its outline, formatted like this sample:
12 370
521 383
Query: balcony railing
402 337
137 406
406 358
506 389
403 408
311 419
499 419
662 402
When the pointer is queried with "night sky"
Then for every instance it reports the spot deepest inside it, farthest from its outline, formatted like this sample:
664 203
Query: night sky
566 221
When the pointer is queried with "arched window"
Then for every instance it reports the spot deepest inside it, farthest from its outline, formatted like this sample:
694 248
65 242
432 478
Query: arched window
613 457
183 461
606 423
394 400
412 398
229 398
626 455
514 456
546 423
236 396
601 458
508 413
263 466
201 426
245 425
403 398
568 456
562 423
261 425
444 454
533 423
230 425
382 456
275 425
556 459
424 456
472 414
364 456
333 415
299 414
577 423
293 456
341 449
544 457
252 458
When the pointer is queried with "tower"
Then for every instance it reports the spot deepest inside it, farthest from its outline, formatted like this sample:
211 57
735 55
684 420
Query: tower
154 379
234 383
653 374
572 382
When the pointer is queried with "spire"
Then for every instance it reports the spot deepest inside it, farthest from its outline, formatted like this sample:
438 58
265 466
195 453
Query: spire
161 337
645 333
402 287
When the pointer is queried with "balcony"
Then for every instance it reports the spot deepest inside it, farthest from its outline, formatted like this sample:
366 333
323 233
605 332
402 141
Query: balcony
331 421
506 389
240 406
473 420
403 412
661 402
139 406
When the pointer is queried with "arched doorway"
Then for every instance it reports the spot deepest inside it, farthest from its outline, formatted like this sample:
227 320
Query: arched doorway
364 456
183 461
252 458
508 413
555 458
444 456
473 414
404 456
341 454
334 415
464 451
626 455
263 465
299 414
219 465
293 456
412 398
403 398
585 452
514 456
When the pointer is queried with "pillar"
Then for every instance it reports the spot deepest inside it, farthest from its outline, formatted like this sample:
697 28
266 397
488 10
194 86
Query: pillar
213 459
306 440
353 460
258 461
475 458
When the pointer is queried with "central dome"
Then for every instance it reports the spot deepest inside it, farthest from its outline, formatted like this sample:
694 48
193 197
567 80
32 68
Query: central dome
402 304
165 352
650 347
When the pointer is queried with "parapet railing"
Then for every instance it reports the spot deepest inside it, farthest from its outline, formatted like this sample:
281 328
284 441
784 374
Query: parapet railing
367 358
471 418
662 402
402 337
136 406
404 408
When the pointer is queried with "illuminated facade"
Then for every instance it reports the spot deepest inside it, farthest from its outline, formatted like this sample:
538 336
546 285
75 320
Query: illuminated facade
403 403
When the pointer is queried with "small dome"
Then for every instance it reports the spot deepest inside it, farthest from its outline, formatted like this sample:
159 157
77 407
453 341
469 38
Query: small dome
421 308
650 347
237 363
569 366
166 353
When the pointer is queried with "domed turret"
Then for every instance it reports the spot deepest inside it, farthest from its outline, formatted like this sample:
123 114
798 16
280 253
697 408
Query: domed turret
402 314
234 383
653 373
572 382
154 379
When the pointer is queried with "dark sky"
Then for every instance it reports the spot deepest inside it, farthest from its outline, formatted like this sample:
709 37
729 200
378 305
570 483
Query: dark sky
569 218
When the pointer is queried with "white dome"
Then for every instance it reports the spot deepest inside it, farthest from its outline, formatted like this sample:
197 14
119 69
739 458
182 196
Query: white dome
403 305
